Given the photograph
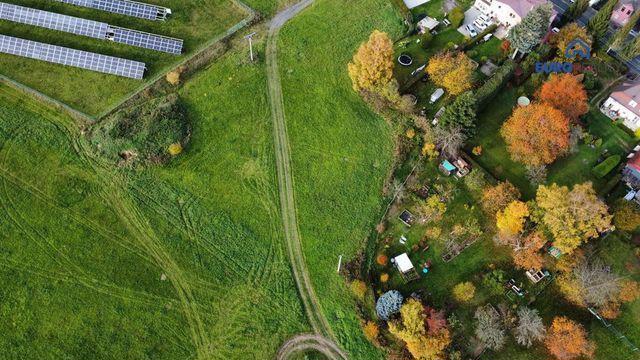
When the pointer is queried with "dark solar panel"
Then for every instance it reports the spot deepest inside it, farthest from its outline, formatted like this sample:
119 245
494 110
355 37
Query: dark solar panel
125 7
71 57
89 28
147 41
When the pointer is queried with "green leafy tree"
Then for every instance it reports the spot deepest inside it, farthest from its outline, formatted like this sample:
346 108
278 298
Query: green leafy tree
456 16
599 24
631 49
576 9
461 112
530 31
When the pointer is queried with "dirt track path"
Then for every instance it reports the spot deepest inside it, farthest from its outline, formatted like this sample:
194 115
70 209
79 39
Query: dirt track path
322 339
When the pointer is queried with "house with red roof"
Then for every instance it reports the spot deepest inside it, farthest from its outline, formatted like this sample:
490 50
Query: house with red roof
624 104
507 13
631 171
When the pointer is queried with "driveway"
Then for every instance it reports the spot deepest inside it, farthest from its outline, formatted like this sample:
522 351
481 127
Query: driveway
469 17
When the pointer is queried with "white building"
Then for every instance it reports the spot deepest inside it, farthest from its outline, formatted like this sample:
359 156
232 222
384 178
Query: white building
623 104
507 13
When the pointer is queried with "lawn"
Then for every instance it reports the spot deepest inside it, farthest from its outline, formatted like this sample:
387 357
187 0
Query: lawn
195 21
571 169
182 261
341 151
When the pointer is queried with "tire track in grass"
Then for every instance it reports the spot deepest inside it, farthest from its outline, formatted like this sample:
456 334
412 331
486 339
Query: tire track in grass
320 341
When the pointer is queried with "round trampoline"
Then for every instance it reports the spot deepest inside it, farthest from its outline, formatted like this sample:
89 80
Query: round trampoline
405 60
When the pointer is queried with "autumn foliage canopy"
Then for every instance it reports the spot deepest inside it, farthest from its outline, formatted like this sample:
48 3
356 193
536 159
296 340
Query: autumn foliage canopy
567 340
454 72
565 93
372 65
536 134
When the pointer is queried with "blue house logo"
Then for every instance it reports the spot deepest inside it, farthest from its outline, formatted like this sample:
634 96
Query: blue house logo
577 49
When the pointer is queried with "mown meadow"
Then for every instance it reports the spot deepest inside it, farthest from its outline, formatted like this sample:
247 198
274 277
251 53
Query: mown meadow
181 261
341 151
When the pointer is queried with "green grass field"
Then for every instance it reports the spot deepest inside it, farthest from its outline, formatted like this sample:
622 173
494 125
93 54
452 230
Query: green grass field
85 247
194 21
341 151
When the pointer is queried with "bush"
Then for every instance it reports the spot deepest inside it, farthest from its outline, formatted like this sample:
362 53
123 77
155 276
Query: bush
491 87
371 331
425 40
384 277
601 170
359 289
150 132
494 281
173 77
464 292
456 16
382 259
388 304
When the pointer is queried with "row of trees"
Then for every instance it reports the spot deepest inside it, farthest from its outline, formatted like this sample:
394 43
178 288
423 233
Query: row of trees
564 339
570 216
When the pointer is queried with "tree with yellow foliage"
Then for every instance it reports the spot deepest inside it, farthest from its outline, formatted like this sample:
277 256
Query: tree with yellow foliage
464 291
454 72
372 65
572 217
510 221
421 343
526 252
567 34
567 340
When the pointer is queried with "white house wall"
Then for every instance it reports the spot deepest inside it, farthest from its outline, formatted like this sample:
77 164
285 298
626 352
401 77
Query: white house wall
502 13
631 120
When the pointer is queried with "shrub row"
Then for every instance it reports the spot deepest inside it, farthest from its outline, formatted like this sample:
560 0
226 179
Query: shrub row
601 170
491 87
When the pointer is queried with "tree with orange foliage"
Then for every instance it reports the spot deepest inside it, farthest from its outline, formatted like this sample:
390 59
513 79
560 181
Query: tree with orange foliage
496 198
565 93
372 66
536 134
567 340
526 253
454 72
371 331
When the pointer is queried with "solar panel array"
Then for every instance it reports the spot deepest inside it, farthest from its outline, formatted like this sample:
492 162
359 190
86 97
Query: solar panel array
124 7
71 57
89 28
49 20
146 40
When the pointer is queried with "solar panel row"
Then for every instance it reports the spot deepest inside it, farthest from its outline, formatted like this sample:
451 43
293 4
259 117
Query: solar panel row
89 28
125 7
71 57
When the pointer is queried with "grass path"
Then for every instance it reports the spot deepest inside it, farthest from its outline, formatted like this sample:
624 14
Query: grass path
310 301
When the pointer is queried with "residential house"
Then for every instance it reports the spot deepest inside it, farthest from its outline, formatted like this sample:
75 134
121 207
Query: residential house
623 12
507 13
631 171
623 104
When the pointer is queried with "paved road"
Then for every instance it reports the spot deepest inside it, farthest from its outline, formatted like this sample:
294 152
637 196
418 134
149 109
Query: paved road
322 340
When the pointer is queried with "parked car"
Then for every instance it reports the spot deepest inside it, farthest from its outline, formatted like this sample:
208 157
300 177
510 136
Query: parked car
446 22
480 25
472 31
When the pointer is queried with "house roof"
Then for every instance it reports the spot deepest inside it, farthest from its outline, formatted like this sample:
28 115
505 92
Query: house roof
403 263
428 22
623 12
628 93
634 162
522 7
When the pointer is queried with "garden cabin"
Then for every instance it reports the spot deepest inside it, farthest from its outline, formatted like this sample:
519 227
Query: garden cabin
405 267
436 95
462 166
447 167
623 13
536 275
427 24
